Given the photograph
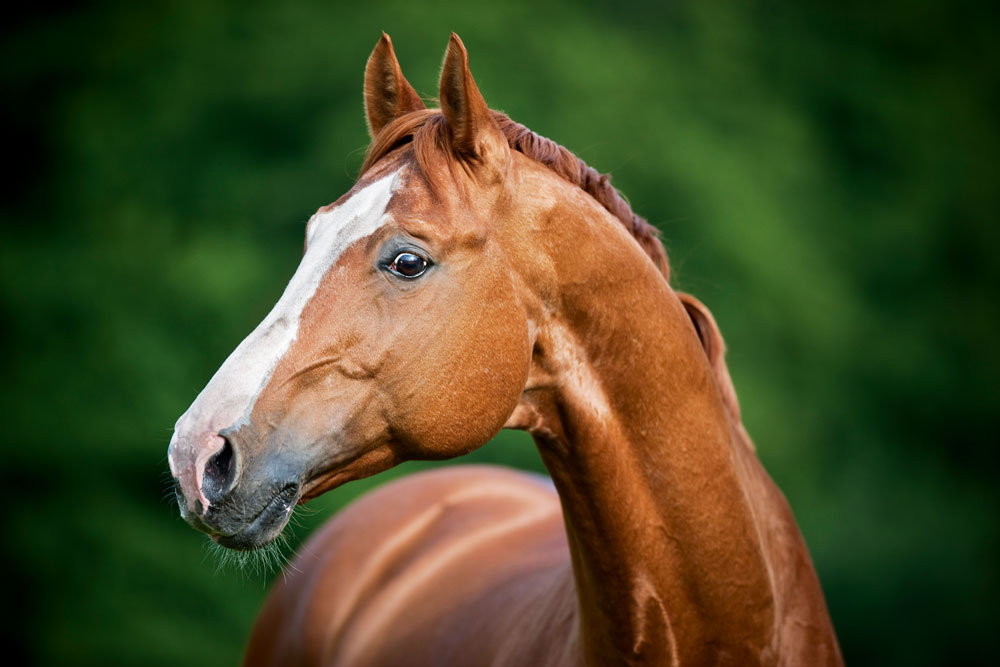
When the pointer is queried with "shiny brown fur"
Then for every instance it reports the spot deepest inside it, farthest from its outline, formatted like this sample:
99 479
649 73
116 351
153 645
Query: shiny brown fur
662 542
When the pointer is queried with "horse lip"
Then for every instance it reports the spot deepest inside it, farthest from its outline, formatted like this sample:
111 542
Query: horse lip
274 513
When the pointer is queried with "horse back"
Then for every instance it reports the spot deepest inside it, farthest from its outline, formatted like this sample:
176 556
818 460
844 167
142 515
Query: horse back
460 565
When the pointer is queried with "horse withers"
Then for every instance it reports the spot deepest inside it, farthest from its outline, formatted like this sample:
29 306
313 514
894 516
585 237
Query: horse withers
479 277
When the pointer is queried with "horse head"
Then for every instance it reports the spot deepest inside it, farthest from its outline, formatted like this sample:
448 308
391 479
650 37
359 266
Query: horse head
401 335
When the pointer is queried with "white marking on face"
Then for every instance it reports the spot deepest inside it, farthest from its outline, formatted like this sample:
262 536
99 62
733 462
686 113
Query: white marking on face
230 396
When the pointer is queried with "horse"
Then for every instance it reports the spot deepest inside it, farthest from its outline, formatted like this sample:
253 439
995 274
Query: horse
478 277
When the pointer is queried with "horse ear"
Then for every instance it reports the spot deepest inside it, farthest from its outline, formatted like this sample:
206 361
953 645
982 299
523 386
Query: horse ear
388 95
475 136
715 350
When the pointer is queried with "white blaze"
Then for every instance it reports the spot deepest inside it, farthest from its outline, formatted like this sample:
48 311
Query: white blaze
231 394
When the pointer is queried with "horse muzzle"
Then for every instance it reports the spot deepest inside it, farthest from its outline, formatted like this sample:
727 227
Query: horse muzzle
238 508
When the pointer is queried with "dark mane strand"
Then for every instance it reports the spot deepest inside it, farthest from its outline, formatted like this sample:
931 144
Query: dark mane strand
425 130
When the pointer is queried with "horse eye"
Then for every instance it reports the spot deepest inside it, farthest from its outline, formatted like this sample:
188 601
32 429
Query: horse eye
408 265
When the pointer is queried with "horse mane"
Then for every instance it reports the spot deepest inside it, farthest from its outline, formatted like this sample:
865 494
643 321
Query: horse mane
426 129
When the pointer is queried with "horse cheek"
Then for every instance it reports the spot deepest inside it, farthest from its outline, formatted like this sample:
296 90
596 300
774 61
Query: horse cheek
480 373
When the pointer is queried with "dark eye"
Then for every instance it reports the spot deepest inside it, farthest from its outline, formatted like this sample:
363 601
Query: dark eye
408 265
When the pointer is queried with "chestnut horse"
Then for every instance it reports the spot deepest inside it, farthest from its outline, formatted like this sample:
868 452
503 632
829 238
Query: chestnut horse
480 277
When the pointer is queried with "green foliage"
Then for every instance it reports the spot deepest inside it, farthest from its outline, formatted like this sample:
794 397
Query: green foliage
825 179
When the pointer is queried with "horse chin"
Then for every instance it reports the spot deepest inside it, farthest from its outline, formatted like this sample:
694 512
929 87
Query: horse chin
265 526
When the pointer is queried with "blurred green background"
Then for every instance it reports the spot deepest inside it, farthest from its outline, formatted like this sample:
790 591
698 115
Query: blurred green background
824 174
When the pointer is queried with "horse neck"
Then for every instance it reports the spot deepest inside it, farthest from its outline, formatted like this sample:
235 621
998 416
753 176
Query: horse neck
667 558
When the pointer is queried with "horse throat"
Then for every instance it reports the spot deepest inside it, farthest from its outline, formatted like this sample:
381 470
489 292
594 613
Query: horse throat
667 558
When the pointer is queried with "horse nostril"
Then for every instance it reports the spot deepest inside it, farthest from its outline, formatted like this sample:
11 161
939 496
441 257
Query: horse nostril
220 473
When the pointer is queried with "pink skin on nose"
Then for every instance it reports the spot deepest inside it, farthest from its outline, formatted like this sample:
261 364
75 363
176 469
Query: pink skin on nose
187 463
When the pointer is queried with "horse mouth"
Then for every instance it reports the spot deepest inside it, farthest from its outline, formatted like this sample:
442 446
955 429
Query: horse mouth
266 525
